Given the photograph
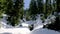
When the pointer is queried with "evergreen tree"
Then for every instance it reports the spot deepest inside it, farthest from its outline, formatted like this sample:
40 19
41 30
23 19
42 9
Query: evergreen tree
2 7
56 24
40 6
48 8
54 5
58 6
14 11
33 9
27 14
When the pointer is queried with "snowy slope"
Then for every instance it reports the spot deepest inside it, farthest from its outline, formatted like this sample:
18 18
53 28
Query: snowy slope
40 30
37 30
24 30
44 31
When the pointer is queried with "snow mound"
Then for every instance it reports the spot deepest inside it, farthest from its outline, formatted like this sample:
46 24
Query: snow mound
44 31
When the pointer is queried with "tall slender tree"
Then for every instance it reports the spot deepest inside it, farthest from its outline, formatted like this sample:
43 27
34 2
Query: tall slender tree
33 9
48 8
40 6
58 6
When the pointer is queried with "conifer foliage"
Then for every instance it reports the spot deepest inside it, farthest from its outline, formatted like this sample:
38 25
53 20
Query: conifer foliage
56 25
14 11
2 7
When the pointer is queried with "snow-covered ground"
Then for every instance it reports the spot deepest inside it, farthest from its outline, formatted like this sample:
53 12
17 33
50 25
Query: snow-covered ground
22 30
15 30
38 28
44 31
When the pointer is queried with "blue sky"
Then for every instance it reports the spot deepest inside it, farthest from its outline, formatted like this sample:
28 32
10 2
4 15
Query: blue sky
26 4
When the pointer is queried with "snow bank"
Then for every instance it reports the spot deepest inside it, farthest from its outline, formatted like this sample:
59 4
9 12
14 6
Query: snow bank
44 31
24 30
15 30
39 30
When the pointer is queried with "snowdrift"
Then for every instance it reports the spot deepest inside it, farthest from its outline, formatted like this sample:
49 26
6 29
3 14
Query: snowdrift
44 31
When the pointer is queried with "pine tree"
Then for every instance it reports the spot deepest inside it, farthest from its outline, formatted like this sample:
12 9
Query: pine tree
14 11
2 7
48 8
56 25
33 9
27 14
40 6
36 7
54 6
58 6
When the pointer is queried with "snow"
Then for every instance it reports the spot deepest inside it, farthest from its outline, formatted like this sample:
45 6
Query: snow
37 30
44 31
15 30
38 27
4 15
40 30
24 24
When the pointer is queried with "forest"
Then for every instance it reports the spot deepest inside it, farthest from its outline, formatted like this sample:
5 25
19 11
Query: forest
14 9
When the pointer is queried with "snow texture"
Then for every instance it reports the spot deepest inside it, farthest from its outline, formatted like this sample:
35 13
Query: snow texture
38 27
